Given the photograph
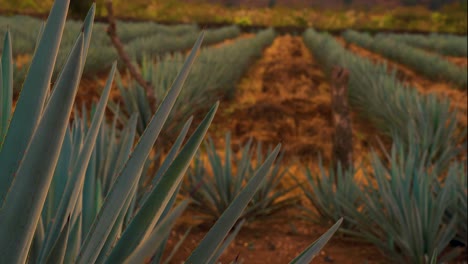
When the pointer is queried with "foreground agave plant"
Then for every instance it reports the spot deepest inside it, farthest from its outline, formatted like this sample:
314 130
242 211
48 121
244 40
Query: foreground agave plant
37 164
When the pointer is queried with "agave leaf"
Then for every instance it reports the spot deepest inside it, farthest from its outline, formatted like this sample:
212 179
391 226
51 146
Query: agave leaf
31 101
39 36
170 156
37 241
150 212
2 91
147 248
74 242
160 250
58 251
6 89
173 151
174 250
89 193
207 247
20 214
313 250
59 180
75 184
226 242
121 188
88 30
107 175
123 154
117 228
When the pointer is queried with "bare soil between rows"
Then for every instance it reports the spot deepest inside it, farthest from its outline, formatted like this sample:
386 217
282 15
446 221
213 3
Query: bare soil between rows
284 98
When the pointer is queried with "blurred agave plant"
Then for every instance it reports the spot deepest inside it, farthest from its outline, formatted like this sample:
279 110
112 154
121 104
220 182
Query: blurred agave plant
405 206
213 192
87 218
327 190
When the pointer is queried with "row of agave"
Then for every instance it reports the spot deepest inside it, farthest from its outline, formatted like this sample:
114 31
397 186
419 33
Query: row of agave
396 202
410 202
210 79
158 44
432 66
158 40
443 44
398 110
24 30
56 203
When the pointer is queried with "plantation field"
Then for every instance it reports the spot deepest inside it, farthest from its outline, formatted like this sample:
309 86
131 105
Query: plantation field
153 185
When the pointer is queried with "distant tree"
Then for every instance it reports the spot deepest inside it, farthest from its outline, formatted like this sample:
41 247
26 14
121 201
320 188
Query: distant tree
232 3
347 2
464 4
410 2
271 3
80 7
437 4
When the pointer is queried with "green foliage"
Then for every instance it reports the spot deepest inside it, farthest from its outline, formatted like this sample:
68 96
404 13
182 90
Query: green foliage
430 65
159 44
139 38
459 208
404 215
444 44
326 190
23 30
405 205
128 31
213 192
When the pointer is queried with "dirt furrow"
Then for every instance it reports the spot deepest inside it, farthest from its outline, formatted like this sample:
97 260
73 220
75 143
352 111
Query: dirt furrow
285 98
460 61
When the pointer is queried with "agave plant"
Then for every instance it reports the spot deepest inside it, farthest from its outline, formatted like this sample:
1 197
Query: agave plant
445 44
326 190
404 212
158 44
432 66
40 163
213 192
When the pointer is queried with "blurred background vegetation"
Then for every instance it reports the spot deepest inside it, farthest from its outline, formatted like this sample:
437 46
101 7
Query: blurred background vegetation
401 15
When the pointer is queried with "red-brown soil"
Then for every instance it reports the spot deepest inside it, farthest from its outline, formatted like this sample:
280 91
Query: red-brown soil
277 239
460 61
